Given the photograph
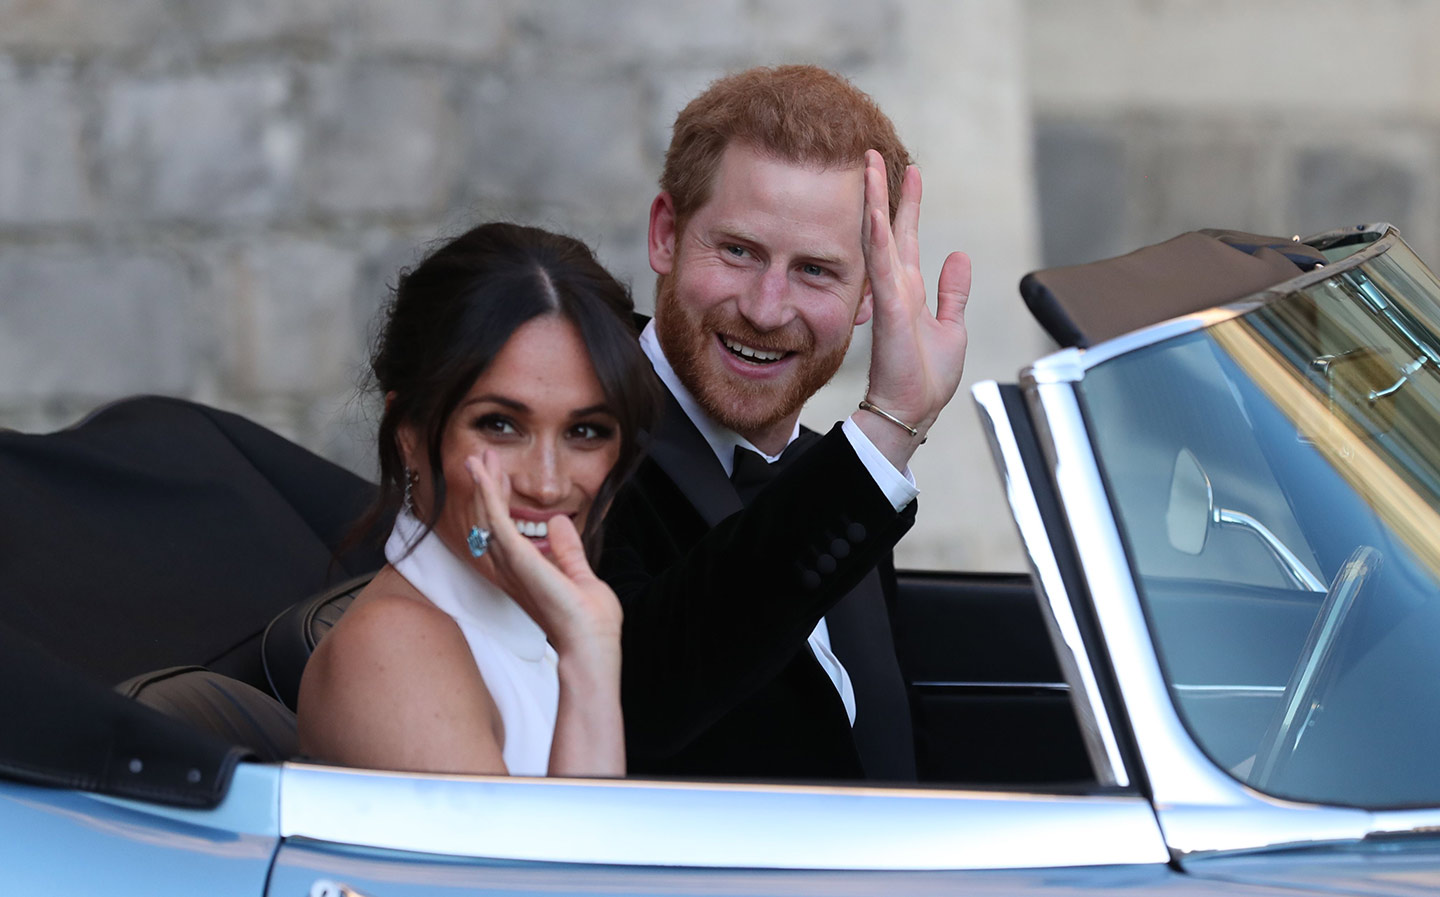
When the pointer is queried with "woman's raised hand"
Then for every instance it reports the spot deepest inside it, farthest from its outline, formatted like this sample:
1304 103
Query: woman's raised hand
580 616
569 602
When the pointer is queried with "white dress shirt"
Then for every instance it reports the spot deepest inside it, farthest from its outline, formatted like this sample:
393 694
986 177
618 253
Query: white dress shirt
898 486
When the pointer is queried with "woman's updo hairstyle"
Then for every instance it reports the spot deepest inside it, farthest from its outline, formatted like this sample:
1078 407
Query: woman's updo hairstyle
452 314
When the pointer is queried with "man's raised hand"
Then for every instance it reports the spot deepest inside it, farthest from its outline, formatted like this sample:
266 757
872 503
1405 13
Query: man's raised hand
916 357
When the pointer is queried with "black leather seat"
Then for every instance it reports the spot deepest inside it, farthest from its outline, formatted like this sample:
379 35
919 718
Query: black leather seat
238 713
291 637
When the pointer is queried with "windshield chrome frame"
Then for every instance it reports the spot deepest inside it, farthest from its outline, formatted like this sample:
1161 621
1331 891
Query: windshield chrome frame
1201 808
1056 606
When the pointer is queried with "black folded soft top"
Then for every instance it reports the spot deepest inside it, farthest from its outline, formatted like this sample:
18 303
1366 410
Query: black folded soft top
156 533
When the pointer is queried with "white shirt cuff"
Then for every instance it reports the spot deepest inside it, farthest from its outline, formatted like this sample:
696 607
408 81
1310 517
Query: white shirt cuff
898 486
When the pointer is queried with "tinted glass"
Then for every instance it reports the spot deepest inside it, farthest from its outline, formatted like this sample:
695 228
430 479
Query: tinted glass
1277 478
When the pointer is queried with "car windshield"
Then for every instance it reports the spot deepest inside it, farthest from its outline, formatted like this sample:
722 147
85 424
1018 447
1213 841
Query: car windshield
1277 480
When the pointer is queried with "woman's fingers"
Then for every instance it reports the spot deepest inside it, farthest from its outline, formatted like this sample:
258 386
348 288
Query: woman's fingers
567 549
492 501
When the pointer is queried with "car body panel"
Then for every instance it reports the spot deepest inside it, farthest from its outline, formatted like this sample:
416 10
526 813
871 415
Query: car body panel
1402 867
301 866
715 825
58 841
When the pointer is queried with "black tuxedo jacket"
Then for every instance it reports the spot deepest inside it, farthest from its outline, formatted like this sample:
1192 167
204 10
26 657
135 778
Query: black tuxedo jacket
719 599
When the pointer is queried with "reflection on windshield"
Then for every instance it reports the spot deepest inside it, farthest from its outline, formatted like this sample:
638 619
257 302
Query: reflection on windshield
1277 477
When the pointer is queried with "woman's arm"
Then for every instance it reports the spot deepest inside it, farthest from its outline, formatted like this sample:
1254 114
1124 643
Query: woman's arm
581 617
394 686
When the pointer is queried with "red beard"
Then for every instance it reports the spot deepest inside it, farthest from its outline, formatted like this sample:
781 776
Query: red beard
747 407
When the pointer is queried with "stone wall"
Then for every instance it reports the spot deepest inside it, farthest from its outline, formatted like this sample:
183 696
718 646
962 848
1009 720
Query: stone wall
208 198
1285 117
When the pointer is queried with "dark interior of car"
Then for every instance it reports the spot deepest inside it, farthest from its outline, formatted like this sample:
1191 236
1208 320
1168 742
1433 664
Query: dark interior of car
184 561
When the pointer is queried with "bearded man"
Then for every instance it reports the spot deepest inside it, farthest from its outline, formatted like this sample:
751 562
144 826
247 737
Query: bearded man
788 214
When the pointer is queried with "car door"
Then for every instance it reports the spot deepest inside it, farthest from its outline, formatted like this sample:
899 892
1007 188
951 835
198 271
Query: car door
987 681
383 834
988 700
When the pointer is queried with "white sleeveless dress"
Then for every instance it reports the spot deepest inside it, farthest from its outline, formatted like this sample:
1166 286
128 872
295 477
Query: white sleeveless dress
517 663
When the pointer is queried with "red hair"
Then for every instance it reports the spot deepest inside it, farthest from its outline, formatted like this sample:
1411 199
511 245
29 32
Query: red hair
799 114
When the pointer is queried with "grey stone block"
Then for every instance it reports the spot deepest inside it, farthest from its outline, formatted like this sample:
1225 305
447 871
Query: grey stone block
93 324
382 253
557 141
81 25
201 147
1202 174
620 245
840 35
228 22
1081 183
342 428
580 35
379 139
669 92
475 32
1333 187
285 307
42 160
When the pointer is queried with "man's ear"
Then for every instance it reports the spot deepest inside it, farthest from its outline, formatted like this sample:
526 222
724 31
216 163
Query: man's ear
866 306
662 234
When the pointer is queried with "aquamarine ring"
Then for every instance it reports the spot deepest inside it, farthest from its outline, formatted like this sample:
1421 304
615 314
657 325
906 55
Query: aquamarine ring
478 540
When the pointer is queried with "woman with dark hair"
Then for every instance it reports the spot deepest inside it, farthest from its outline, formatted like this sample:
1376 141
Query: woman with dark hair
515 393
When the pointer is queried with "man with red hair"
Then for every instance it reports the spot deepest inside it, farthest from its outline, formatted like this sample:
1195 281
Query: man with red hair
788 214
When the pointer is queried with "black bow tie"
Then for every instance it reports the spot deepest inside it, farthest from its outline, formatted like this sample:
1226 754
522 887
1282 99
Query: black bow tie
752 472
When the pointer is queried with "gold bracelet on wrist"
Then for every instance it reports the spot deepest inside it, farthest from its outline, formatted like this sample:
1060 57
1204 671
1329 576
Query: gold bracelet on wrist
866 406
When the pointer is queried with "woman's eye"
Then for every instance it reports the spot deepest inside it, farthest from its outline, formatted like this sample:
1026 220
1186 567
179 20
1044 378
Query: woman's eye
590 432
496 424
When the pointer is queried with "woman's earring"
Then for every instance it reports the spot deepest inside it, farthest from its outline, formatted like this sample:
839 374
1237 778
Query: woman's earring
407 501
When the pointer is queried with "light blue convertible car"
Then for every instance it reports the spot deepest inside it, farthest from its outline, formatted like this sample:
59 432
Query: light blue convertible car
1222 675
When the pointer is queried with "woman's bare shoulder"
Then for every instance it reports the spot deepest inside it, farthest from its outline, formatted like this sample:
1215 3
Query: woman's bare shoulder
394 686
389 622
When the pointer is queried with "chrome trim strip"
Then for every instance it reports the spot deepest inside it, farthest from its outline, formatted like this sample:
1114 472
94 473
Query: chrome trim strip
1055 606
985 686
1046 369
627 822
1336 236
1253 691
1201 808
1065 366
1069 365
1402 822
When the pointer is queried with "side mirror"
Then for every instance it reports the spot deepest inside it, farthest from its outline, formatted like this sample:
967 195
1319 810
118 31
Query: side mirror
1192 504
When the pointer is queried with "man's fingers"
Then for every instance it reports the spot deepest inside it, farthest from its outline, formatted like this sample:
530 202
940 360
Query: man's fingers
877 256
954 292
876 197
907 218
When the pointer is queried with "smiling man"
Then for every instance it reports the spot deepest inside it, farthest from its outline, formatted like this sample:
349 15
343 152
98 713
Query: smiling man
788 214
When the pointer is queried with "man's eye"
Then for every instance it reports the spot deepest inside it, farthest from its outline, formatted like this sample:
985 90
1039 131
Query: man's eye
812 270
736 251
